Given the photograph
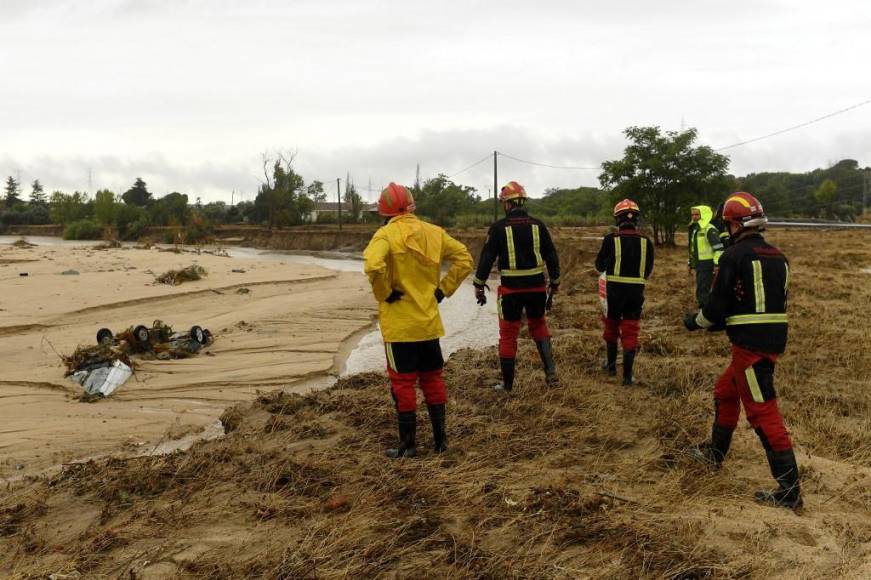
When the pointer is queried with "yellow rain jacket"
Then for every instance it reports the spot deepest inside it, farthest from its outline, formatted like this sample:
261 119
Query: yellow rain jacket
406 255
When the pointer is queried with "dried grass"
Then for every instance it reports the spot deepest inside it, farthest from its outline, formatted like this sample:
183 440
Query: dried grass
585 480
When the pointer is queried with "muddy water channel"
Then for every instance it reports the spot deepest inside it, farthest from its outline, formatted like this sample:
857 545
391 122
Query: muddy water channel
466 323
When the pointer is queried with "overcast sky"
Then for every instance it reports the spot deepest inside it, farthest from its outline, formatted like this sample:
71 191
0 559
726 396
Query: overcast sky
189 94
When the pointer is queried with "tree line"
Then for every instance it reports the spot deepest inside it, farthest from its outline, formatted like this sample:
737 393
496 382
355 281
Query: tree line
666 172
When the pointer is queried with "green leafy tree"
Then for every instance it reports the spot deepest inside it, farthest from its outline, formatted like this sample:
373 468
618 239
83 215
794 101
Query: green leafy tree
170 210
13 191
280 200
354 201
826 195
37 194
215 212
315 192
130 221
138 194
666 175
65 208
586 202
104 207
441 200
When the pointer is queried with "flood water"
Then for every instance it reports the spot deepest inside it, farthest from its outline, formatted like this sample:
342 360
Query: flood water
466 324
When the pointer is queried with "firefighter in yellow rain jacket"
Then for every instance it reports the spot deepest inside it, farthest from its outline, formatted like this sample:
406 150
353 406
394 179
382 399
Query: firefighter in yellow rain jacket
403 261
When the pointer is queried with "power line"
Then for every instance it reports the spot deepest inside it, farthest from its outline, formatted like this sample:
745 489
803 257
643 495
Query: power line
574 167
794 127
475 164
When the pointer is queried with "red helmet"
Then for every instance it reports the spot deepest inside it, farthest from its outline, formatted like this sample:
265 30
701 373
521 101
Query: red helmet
512 190
395 200
627 208
744 210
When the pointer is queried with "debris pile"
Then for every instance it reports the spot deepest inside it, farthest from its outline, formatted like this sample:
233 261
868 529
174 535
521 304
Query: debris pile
108 245
104 367
22 243
176 277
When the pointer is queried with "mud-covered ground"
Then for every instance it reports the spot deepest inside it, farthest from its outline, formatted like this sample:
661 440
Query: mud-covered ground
275 323
583 480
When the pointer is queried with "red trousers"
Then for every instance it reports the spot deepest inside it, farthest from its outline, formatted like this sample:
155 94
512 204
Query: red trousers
402 387
749 380
408 362
624 330
511 304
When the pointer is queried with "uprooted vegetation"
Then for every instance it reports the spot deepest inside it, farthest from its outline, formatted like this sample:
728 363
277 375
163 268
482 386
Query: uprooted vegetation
176 277
584 480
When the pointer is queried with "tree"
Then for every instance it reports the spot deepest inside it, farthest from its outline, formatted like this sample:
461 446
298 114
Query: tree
353 199
315 192
826 195
280 200
666 175
104 207
66 208
13 189
441 200
170 210
138 194
37 194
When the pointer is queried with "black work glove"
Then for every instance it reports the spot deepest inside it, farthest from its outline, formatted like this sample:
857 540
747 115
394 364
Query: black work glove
439 295
479 294
394 296
690 321
548 304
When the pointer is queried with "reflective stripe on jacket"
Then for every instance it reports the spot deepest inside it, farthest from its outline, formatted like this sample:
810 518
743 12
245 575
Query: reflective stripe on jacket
704 238
749 296
406 255
626 257
522 248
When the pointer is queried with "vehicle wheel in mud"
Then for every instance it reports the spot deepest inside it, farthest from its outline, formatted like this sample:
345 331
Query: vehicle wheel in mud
104 335
140 333
198 334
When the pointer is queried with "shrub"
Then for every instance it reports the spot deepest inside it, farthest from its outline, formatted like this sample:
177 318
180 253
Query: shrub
83 230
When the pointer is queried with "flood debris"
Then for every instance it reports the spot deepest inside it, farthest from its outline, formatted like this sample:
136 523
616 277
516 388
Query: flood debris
22 243
104 367
103 380
70 273
108 245
176 277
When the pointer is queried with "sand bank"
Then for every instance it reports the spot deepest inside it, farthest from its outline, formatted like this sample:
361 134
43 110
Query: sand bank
289 325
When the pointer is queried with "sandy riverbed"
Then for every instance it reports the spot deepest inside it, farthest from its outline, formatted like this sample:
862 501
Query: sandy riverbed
289 326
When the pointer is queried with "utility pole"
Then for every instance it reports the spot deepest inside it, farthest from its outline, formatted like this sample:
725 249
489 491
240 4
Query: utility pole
495 187
339 198
866 177
233 198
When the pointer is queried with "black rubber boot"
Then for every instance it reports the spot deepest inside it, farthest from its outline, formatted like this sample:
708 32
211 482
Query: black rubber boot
785 470
628 363
713 452
545 351
407 432
610 364
439 436
507 365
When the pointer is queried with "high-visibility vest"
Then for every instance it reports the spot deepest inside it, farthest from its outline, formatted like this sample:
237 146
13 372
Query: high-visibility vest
699 240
